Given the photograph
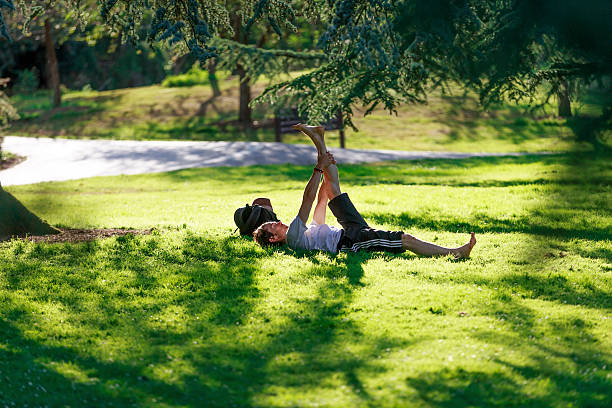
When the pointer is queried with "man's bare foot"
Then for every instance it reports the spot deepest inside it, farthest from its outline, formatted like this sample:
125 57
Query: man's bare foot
304 128
315 133
464 251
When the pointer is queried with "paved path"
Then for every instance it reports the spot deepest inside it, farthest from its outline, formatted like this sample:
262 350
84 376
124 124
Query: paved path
68 159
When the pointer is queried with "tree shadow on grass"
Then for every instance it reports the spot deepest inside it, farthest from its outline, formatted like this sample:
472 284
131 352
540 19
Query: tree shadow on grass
548 306
483 223
349 266
297 347
429 172
570 217
512 123
562 366
35 373
143 320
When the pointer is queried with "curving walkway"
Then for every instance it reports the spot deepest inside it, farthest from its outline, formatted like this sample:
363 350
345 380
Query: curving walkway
67 159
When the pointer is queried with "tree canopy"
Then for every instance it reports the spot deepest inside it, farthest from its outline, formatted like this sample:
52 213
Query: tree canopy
387 52
390 52
68 16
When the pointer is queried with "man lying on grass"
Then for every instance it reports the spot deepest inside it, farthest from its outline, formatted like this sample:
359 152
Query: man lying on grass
355 234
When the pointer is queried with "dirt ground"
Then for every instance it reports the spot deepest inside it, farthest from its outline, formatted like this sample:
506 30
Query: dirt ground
81 235
10 162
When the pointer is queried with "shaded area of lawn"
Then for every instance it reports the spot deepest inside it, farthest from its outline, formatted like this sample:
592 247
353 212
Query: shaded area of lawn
195 316
128 334
192 321
205 331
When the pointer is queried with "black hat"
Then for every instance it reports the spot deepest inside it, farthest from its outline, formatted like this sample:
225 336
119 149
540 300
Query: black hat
249 218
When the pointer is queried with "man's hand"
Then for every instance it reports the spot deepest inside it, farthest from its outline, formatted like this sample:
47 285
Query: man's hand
325 161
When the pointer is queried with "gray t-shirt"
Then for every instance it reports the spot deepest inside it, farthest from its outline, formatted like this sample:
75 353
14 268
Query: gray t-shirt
320 237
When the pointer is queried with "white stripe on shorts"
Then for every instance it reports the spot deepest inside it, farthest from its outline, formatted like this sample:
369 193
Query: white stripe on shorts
385 243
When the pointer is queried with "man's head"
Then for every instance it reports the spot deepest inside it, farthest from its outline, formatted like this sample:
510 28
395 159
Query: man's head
271 234
250 217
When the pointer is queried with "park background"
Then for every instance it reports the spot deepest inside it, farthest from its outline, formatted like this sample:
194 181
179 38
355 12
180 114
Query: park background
181 311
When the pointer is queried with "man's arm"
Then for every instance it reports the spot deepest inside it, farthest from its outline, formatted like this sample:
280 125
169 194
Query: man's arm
310 192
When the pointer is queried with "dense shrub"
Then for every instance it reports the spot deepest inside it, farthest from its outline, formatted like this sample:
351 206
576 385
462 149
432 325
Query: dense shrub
195 76
27 81
7 111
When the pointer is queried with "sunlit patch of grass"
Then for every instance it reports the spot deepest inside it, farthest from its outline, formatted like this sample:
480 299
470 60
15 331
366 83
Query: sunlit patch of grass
194 314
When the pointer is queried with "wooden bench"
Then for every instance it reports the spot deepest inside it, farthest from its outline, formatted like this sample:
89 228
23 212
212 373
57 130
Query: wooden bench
285 118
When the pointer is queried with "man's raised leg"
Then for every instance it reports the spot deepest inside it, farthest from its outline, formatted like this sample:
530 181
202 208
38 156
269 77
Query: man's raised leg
317 135
321 207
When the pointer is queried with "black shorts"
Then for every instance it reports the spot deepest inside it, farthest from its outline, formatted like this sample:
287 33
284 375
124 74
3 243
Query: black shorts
358 236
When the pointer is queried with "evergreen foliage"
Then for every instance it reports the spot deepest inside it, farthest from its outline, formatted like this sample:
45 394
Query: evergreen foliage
194 24
69 14
5 4
387 52
263 62
7 111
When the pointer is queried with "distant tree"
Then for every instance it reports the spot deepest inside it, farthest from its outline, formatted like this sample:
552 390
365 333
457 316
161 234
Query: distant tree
49 23
563 95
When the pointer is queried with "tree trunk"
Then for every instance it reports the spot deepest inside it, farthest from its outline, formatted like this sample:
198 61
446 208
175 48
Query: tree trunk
16 220
565 109
52 69
245 112
177 67
212 76
341 129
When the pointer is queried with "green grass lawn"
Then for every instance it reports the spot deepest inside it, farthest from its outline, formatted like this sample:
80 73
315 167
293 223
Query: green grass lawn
196 316
454 123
